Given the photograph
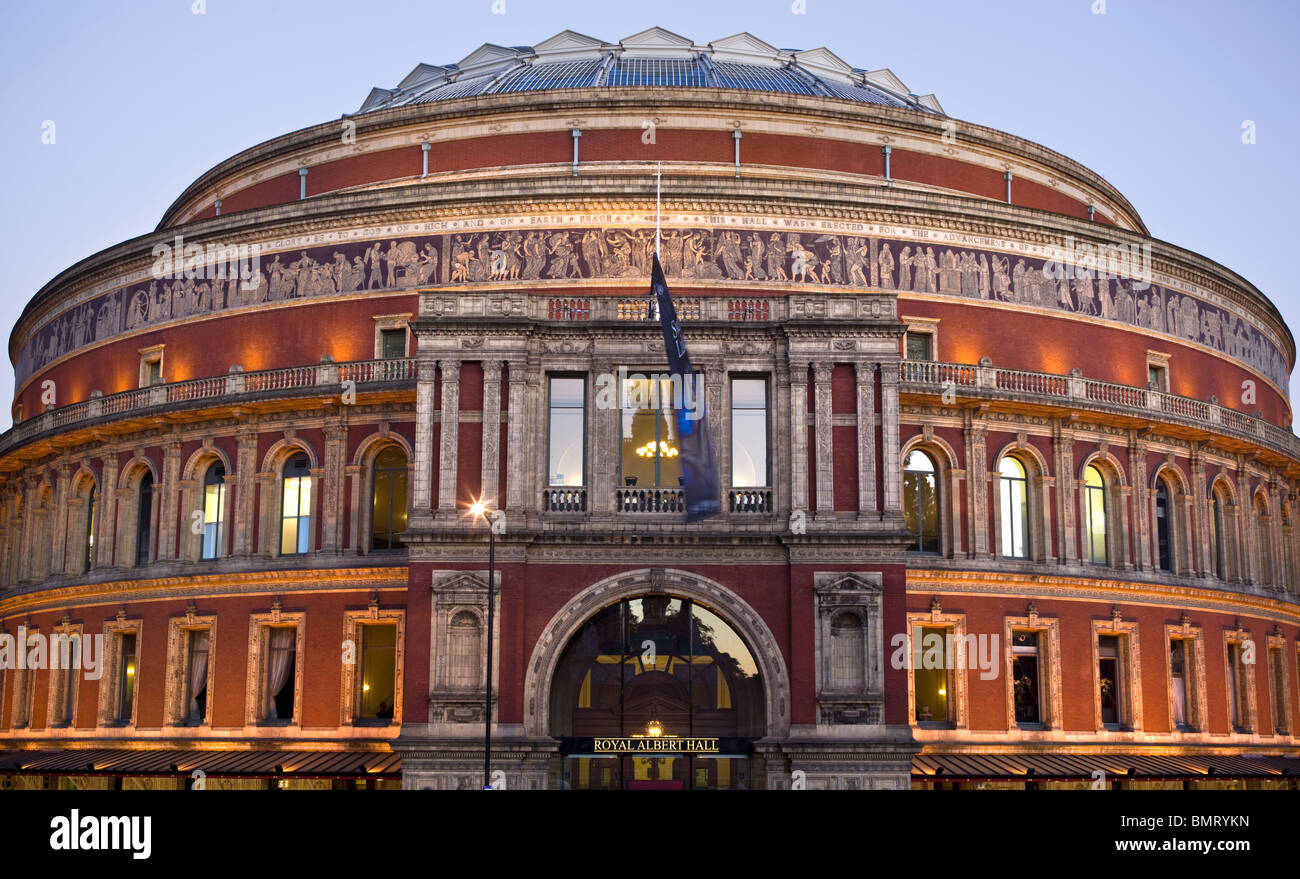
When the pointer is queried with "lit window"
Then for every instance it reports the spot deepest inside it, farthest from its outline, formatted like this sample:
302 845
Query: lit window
144 519
1015 509
378 672
749 432
126 676
921 502
281 684
1109 680
651 448
565 438
1026 677
388 506
214 511
1181 684
930 675
196 675
1094 517
89 550
295 512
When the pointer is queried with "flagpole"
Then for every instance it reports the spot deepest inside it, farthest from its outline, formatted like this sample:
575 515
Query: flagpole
658 169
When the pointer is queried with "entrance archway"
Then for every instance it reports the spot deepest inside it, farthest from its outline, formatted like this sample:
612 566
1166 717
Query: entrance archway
657 654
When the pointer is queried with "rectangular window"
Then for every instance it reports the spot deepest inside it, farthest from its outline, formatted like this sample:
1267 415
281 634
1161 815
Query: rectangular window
930 676
126 676
378 672
1158 378
1109 680
749 433
1178 668
393 344
651 449
1026 677
566 436
151 365
920 346
214 510
295 523
1234 689
196 675
1277 688
282 657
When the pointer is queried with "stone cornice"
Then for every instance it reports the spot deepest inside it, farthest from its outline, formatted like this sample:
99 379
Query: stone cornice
1097 589
115 593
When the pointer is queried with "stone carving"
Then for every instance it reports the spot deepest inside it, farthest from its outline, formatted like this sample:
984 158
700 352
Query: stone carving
612 253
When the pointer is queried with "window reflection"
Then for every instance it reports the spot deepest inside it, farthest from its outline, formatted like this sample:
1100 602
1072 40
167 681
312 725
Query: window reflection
749 432
651 451
565 440
921 501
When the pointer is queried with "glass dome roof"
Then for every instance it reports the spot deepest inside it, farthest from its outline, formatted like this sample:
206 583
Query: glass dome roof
652 58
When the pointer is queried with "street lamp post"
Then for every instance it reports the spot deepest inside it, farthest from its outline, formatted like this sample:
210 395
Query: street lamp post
479 508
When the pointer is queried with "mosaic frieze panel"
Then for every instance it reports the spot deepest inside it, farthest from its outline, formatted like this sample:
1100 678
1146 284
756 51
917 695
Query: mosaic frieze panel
751 256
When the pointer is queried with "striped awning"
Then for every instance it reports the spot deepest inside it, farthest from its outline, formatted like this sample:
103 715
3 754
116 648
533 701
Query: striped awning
242 763
1082 767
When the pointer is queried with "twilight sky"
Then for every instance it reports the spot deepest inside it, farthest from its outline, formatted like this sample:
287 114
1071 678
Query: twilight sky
146 95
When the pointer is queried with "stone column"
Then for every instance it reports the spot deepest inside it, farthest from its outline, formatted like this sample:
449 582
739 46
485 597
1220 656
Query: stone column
106 516
330 495
58 556
29 528
1198 510
353 472
422 466
1249 567
865 376
1066 491
889 437
975 434
516 421
170 489
448 449
244 485
780 415
824 437
716 400
799 435
491 450
605 430
1137 465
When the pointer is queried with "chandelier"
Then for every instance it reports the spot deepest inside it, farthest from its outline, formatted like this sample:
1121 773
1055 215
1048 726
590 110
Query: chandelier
664 450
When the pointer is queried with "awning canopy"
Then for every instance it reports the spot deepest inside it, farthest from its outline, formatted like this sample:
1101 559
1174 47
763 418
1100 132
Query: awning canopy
1081 767
242 763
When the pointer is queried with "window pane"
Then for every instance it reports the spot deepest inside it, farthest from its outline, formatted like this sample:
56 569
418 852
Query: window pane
378 671
921 502
930 676
291 496
749 432
650 451
126 698
289 536
394 343
919 346
565 441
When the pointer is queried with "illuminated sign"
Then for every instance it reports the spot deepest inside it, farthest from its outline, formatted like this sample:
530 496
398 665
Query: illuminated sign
660 744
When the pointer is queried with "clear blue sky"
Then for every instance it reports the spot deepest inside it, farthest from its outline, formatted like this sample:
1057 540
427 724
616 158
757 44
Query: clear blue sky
146 96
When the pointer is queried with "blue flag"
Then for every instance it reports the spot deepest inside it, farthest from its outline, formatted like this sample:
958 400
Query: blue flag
699 470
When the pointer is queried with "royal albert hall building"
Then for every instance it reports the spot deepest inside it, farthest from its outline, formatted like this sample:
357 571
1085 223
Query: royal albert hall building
985 520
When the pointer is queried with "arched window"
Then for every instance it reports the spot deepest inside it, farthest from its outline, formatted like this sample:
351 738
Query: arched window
1263 540
1164 533
1015 508
144 519
90 530
1094 517
848 653
921 501
1218 546
464 651
214 511
295 508
389 501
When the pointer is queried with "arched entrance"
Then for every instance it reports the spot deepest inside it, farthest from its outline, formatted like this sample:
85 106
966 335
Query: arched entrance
657 691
